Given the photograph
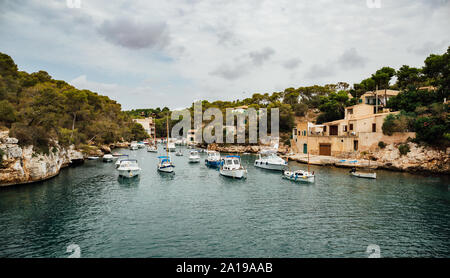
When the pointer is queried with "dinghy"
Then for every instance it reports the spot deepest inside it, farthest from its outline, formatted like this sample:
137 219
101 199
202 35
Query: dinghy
231 167
363 174
108 158
179 153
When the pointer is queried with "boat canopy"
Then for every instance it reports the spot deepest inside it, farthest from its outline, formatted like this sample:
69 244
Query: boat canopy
232 156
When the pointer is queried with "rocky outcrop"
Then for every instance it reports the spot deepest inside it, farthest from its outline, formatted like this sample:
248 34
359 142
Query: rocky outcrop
418 159
23 165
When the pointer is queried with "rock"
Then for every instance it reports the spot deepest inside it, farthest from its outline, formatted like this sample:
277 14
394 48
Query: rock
105 149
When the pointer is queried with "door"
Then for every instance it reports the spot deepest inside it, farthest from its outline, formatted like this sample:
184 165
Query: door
305 148
355 145
325 149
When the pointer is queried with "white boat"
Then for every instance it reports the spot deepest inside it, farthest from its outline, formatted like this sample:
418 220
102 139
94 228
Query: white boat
141 145
270 160
213 159
129 168
152 148
179 153
165 163
299 176
170 147
93 157
231 167
134 146
194 157
363 174
120 158
108 158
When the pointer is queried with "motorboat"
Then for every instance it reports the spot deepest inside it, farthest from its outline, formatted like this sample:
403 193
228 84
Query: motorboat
93 157
165 164
299 176
363 174
141 145
270 160
179 153
120 158
129 168
213 159
232 167
194 157
134 146
152 148
108 158
170 147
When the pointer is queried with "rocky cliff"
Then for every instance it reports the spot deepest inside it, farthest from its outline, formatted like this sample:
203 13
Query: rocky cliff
418 159
23 165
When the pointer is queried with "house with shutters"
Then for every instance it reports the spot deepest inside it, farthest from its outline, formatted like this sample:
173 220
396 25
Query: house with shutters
360 130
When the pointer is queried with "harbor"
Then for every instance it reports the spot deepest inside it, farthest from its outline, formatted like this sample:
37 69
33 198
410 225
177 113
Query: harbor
196 212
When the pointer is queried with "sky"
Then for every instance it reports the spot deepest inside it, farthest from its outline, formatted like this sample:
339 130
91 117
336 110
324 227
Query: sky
148 54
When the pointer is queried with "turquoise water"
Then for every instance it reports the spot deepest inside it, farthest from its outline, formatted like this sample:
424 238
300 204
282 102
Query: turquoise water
198 213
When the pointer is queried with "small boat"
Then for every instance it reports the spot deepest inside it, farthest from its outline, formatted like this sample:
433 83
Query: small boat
194 157
270 160
179 153
165 163
134 146
213 159
93 157
117 154
299 176
108 158
231 167
363 174
152 148
129 168
121 157
141 145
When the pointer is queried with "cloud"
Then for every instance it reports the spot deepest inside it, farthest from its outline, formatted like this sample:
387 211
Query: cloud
292 63
430 47
317 71
259 57
351 59
131 34
230 72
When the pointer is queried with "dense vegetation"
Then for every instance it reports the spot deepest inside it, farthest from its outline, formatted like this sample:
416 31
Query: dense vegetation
423 111
39 110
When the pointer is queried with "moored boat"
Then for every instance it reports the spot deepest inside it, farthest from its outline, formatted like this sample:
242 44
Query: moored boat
232 167
213 159
165 164
129 168
299 176
108 158
134 146
179 153
270 160
120 158
194 157
363 174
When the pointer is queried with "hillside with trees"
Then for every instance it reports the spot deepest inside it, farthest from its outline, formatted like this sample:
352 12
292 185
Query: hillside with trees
41 111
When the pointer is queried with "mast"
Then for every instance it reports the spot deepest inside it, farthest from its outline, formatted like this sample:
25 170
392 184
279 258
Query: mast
167 142
307 147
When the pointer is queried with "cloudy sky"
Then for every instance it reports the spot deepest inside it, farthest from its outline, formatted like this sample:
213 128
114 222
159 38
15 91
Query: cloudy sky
170 53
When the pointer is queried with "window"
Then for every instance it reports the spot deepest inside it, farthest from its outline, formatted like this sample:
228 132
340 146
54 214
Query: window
345 128
351 126
350 111
374 127
325 129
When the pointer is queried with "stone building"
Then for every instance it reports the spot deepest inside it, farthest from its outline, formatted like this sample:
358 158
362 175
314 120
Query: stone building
148 124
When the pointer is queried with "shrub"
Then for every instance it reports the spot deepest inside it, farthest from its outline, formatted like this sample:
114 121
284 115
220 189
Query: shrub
403 149
382 145
2 153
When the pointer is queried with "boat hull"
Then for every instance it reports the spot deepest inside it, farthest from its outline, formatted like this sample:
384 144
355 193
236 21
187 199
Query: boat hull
194 159
213 164
269 166
235 173
364 175
299 178
128 173
166 169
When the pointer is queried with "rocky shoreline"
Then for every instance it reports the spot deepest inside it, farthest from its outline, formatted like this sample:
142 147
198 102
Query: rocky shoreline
22 165
419 160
